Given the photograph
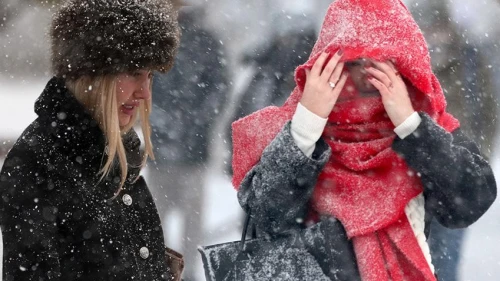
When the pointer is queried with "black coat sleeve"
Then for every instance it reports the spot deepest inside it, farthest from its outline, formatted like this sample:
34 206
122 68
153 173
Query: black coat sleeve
28 219
459 185
276 191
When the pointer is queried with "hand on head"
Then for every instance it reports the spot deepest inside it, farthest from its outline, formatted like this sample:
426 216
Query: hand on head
392 88
324 84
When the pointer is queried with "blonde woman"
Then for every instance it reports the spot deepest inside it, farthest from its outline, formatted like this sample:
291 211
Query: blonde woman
73 204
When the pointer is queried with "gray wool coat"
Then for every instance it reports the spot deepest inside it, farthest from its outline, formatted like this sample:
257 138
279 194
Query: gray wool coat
458 183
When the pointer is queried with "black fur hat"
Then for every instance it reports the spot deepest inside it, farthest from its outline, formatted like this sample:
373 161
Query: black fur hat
96 37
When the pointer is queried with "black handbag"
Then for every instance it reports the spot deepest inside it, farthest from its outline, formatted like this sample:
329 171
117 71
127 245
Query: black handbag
297 255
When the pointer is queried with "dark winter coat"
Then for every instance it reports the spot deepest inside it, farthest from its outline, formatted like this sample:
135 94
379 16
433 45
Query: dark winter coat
458 183
59 222
188 99
274 65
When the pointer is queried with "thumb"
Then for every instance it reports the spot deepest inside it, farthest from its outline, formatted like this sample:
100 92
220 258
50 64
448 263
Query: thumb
307 71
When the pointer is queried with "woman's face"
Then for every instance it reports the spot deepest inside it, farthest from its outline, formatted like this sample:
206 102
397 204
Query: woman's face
359 76
131 89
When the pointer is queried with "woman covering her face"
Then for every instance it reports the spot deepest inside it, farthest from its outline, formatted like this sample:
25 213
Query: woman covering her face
73 204
365 140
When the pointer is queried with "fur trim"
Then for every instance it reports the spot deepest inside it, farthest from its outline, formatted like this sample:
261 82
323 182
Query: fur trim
98 37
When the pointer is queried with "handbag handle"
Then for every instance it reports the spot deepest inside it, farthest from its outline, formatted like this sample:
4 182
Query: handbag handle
244 232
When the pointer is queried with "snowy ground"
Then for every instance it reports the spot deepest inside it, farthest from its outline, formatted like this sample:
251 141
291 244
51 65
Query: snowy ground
481 256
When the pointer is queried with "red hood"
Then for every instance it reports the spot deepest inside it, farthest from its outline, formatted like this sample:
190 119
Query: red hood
380 30
376 29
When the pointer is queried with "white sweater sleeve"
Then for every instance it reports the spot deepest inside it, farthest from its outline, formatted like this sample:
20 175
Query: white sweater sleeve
408 126
306 129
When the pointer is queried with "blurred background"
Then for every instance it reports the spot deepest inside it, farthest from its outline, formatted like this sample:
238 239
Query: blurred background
239 56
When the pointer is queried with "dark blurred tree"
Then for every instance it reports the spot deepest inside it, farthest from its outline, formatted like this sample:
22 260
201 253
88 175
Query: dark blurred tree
273 65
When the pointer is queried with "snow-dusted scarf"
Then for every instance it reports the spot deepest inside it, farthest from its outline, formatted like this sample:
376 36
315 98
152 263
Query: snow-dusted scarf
365 185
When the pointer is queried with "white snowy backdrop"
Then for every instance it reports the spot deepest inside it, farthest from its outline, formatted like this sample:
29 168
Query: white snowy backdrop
241 25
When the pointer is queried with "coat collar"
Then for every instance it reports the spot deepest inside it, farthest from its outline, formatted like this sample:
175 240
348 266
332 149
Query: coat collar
76 144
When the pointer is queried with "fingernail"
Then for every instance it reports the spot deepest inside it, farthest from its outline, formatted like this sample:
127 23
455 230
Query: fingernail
340 52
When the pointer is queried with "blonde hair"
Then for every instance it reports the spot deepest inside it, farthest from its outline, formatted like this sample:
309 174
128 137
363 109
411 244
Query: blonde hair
98 96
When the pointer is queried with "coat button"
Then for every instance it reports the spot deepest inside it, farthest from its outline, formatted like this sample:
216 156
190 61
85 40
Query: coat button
127 199
144 252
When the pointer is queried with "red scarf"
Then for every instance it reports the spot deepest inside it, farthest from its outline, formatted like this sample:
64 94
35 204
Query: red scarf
365 184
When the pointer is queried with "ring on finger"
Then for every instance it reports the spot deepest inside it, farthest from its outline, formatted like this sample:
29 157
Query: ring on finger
331 84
